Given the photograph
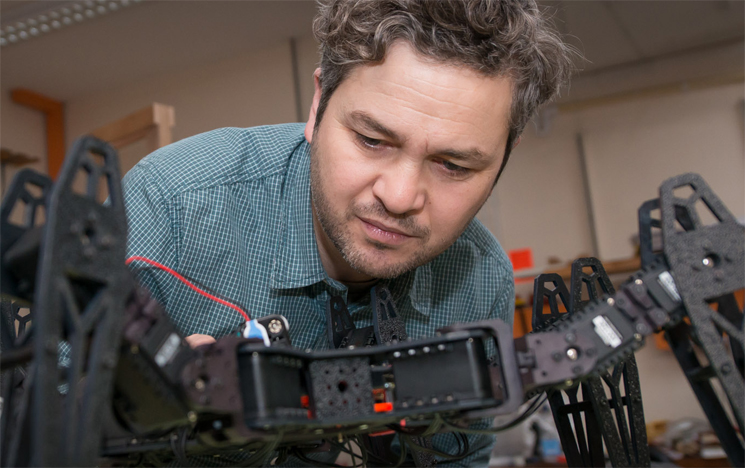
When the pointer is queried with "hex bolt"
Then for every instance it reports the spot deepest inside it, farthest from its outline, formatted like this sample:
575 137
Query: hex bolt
572 354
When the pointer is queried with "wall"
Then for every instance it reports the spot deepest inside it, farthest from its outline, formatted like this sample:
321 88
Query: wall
244 91
23 130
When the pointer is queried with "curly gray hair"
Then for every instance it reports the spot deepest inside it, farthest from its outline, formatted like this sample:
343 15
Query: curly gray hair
495 37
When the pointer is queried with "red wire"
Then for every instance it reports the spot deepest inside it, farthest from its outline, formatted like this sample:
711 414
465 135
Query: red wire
188 283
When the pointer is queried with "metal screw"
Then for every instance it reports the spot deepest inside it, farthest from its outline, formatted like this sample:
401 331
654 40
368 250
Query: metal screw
363 427
199 385
412 352
572 354
610 301
191 416
397 354
707 262
569 382
638 281
426 349
275 326
638 337
217 424
435 401
449 397
441 347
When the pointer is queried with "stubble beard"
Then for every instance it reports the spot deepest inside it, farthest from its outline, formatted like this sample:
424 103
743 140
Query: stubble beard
336 228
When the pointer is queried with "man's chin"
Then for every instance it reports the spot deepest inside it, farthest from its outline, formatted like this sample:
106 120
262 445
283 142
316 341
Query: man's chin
382 263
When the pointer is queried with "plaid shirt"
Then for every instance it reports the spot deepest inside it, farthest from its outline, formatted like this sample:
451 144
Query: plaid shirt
231 209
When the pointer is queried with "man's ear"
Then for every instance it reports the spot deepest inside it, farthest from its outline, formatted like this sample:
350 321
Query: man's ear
311 123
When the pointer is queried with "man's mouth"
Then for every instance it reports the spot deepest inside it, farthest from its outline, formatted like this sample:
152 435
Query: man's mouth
383 233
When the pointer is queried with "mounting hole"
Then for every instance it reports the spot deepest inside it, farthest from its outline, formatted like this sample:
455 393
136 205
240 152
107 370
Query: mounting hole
86 238
342 386
394 337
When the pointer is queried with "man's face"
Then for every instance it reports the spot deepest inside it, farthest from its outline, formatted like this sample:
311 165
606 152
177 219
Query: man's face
405 155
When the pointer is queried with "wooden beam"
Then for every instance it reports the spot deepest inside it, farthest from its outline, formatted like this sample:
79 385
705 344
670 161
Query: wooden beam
154 122
55 124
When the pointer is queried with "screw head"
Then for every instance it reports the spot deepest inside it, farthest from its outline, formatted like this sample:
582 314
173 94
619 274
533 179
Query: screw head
200 385
275 326
191 416
572 354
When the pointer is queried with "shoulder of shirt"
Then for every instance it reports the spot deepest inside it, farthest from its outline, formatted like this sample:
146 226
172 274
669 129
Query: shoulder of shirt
223 156
478 243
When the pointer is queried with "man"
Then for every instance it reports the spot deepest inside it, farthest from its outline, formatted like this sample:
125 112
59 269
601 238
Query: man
417 106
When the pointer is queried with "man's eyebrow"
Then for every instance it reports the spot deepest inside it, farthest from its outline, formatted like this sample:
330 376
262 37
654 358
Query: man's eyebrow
372 124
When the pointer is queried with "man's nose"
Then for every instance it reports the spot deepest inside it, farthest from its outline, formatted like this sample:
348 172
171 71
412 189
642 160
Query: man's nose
401 189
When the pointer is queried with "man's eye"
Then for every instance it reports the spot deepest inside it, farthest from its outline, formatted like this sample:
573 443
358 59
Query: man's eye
454 168
369 142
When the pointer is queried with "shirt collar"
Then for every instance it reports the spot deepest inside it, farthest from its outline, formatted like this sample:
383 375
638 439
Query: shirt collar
297 262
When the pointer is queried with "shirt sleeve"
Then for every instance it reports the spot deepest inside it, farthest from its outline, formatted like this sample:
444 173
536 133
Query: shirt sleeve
151 230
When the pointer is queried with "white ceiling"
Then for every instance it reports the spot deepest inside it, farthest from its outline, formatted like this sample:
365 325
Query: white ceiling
154 37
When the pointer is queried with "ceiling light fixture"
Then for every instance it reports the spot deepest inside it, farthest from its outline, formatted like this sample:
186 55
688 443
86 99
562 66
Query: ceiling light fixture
57 18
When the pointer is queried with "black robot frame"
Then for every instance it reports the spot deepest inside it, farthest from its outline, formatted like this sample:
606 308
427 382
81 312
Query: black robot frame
102 373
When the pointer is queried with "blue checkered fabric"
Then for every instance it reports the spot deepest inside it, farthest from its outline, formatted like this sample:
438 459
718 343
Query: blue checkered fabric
231 209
